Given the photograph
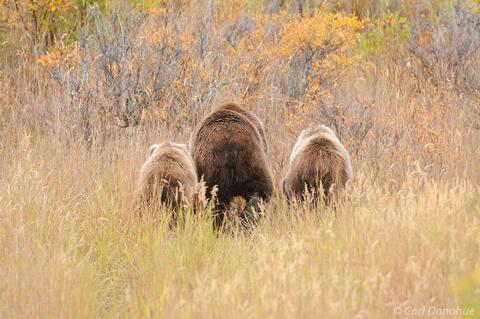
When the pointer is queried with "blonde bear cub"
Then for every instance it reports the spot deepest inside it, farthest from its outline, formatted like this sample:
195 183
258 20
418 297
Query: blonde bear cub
167 177
318 161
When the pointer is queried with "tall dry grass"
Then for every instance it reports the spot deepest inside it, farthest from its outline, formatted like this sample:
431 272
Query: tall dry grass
75 125
71 247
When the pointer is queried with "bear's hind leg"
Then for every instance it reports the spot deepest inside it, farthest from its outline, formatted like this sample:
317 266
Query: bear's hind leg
219 215
251 213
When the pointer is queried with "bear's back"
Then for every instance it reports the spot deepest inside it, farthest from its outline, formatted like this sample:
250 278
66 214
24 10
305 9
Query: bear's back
228 152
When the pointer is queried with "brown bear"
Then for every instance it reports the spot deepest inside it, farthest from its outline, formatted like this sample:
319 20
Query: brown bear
229 152
168 177
252 117
318 160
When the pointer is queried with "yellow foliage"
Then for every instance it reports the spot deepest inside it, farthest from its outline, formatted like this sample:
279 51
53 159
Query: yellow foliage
71 148
60 5
59 54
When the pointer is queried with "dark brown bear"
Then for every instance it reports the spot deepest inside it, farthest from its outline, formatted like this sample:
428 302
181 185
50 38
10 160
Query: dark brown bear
318 161
168 177
252 117
229 152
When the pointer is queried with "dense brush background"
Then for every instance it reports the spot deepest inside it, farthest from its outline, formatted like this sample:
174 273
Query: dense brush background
86 86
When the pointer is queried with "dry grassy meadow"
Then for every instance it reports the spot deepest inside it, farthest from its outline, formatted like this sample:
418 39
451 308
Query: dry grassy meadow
86 86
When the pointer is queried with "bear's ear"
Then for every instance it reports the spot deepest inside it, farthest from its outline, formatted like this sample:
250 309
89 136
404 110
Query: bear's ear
306 132
152 149
181 145
327 130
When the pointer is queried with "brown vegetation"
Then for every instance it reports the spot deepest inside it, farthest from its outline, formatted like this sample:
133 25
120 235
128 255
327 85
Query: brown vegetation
397 81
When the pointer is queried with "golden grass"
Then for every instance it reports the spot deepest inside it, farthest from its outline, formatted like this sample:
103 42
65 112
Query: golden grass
70 246
406 237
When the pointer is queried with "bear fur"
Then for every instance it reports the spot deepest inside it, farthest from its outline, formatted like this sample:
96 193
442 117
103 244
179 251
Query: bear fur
229 152
168 177
252 117
318 160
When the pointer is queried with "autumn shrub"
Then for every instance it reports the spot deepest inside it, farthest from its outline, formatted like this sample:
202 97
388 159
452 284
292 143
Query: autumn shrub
45 22
136 65
445 41
87 87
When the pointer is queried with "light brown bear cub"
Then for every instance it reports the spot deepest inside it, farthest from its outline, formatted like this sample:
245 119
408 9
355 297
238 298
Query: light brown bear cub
168 177
318 161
